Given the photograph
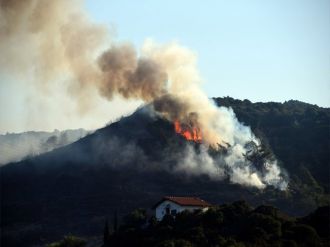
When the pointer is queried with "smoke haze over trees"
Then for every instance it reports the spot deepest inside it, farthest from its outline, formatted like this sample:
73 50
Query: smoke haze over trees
17 146
68 64
136 172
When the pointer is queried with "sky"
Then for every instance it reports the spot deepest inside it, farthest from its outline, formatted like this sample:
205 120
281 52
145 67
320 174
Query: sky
273 50
259 50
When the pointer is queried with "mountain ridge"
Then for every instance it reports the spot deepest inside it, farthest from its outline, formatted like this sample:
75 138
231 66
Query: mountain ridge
73 188
17 146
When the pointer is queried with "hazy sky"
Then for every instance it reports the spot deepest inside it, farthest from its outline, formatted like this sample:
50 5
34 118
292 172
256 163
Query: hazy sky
273 50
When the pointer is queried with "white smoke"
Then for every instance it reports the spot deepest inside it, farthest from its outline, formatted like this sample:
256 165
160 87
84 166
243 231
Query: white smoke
233 163
200 163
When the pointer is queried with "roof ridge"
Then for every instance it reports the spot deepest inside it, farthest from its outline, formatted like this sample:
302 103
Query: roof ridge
185 201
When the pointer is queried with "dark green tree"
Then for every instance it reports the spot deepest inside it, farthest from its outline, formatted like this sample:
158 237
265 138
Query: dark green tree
69 241
115 221
106 233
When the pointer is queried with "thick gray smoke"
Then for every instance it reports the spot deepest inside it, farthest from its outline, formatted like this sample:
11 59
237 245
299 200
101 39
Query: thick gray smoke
55 41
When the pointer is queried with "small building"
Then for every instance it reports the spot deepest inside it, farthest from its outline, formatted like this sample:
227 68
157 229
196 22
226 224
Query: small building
171 205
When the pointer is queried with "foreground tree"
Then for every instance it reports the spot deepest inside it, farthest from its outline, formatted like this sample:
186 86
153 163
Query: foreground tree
69 241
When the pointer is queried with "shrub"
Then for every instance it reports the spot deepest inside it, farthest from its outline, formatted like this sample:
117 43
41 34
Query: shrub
69 241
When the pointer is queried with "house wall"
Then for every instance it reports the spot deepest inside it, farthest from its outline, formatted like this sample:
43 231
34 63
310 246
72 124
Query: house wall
161 208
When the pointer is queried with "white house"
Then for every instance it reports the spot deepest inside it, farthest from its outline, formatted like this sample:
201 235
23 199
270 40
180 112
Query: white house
171 205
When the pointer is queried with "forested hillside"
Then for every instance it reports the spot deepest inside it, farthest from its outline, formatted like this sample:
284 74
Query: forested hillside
298 134
125 165
235 225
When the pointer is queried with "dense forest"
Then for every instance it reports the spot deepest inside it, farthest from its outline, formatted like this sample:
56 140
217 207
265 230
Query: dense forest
235 224
299 135
73 189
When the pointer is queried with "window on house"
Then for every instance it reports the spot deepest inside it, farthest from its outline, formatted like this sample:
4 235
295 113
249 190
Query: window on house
173 212
167 209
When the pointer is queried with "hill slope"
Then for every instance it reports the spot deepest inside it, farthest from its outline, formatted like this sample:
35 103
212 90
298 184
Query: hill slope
18 146
128 164
298 133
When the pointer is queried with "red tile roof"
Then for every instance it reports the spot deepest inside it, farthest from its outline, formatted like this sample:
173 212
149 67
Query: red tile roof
185 201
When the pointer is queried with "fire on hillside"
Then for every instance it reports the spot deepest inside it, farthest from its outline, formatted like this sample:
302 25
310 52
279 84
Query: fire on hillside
190 132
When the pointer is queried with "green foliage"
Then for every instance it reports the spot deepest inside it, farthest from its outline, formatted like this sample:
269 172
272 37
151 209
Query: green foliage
213 217
69 241
297 134
267 224
136 218
319 220
233 225
175 243
305 235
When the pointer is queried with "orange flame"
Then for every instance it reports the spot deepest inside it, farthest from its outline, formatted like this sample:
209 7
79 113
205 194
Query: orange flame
190 133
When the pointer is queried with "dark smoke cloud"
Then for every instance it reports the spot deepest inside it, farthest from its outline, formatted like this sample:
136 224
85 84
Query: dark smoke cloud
132 77
172 106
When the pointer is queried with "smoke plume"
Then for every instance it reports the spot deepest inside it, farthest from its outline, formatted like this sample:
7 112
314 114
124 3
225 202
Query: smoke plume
55 41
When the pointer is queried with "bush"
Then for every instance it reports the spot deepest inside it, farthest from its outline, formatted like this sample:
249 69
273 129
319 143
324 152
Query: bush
175 243
266 223
305 235
213 217
69 241
137 218
230 225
